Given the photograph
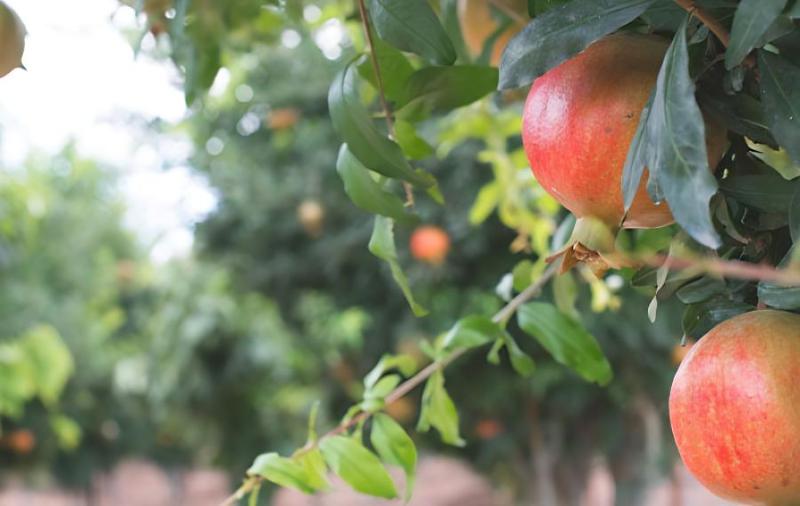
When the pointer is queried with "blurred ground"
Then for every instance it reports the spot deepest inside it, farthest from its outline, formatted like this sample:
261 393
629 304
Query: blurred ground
441 482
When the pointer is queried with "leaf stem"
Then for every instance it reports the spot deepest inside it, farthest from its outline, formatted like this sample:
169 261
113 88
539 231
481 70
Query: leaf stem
376 67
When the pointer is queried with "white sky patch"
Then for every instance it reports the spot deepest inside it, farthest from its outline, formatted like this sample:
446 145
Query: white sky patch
84 84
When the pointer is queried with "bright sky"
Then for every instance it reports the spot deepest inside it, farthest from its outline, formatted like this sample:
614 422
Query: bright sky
84 84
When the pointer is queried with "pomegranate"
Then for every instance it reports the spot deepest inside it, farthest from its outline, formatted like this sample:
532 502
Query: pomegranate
735 409
430 244
580 119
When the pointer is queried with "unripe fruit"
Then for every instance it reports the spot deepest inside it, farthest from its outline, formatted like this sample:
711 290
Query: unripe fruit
281 119
735 409
478 25
430 244
579 120
12 40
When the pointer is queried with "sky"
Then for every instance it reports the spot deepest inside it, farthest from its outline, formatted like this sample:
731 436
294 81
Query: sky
84 84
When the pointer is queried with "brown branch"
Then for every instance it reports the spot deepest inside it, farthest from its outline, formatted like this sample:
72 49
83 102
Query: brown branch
387 112
410 384
736 269
707 19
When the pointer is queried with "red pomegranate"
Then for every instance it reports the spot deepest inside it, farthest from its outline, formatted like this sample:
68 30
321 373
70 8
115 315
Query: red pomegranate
580 119
430 244
735 409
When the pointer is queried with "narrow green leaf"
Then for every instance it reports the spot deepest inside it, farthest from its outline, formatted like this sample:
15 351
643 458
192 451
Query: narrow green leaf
372 148
357 466
365 192
565 293
752 19
794 216
781 296
637 157
780 96
485 203
522 363
395 447
561 33
778 159
740 113
406 364
701 290
566 340
676 135
414 146
381 244
700 318
766 192
315 468
470 332
411 25
441 89
282 471
439 411
383 387
395 71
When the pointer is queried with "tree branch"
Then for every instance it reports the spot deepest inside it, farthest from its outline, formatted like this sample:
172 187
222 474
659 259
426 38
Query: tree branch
376 67
707 19
410 384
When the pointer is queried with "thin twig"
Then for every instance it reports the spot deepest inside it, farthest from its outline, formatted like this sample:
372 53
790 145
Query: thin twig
707 19
410 384
376 67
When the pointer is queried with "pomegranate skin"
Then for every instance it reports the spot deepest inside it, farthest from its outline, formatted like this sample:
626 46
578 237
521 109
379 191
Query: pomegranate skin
580 119
735 409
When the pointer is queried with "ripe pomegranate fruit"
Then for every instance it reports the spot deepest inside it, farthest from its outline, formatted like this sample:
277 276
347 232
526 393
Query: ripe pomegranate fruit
430 244
580 118
312 217
735 409
22 441
478 24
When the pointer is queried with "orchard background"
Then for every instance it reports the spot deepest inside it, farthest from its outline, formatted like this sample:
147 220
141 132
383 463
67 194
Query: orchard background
378 279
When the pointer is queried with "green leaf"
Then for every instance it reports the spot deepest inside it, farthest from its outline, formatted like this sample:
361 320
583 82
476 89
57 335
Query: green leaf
315 468
561 33
766 192
354 124
441 89
365 192
50 362
282 471
740 113
395 71
794 216
439 411
778 159
411 25
700 318
471 332
406 364
780 296
780 96
381 244
522 363
357 466
565 293
701 290
752 19
395 447
522 274
566 340
636 159
414 146
383 387
485 203
677 147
